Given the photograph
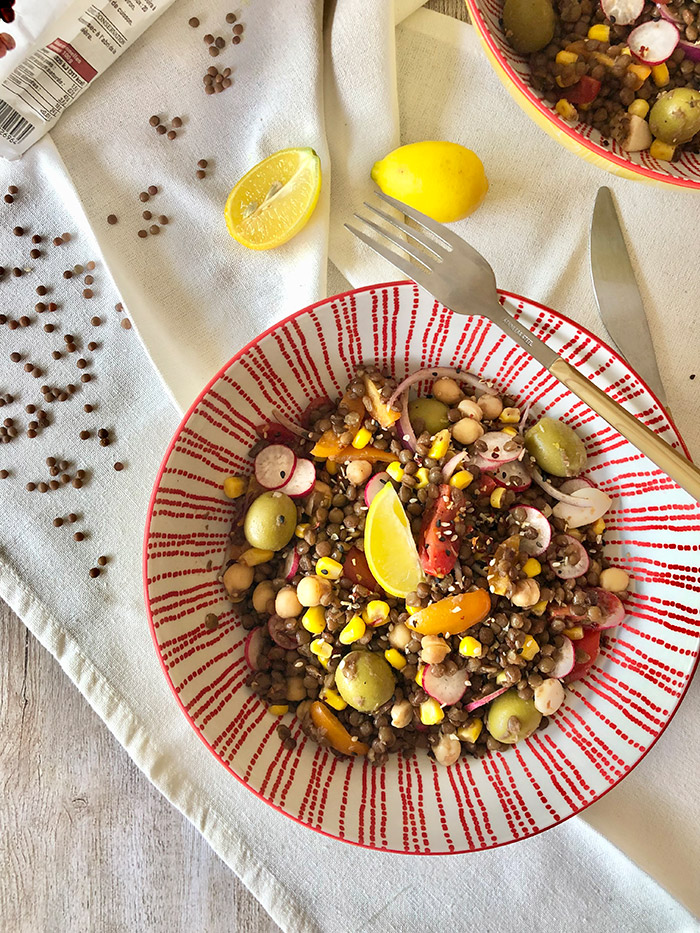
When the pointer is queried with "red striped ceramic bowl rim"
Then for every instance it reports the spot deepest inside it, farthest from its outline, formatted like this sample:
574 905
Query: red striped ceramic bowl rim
685 172
411 805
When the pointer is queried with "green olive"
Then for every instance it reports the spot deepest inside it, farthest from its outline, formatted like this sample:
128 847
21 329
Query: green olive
675 117
432 413
511 718
270 521
529 24
364 680
556 447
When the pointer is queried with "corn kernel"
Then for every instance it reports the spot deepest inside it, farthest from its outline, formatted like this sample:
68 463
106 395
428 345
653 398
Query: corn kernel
314 620
539 607
321 649
419 674
421 478
501 678
234 487
599 33
461 479
412 610
278 709
641 71
532 567
470 648
395 658
497 497
471 731
626 51
603 59
395 471
331 467
575 633
566 58
598 527
529 649
439 446
662 151
377 611
509 430
566 110
301 529
329 568
639 108
361 439
352 631
509 416
660 74
430 712
333 699
256 555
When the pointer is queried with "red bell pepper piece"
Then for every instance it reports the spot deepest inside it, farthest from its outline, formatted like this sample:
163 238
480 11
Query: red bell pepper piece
436 548
590 644
584 91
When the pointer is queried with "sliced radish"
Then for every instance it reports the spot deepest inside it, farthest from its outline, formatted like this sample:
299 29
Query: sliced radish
611 607
375 484
564 659
436 372
274 466
486 466
568 568
496 447
622 12
534 519
452 465
291 564
573 485
448 689
484 700
591 504
302 480
654 42
514 476
253 648
280 634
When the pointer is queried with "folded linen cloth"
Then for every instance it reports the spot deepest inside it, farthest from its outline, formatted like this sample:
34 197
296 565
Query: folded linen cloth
196 298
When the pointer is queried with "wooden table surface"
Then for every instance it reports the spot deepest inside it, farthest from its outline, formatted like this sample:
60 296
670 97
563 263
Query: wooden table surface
86 842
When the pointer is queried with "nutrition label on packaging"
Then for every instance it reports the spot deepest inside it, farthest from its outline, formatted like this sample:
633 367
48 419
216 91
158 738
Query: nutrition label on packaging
71 52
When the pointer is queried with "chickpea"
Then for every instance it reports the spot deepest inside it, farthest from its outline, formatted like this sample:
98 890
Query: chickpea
287 606
262 594
549 696
526 593
467 430
358 471
614 580
311 590
295 689
399 636
447 750
434 649
401 714
446 390
470 409
237 579
303 708
491 405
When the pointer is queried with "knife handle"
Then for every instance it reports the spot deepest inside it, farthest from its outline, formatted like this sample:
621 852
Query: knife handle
686 474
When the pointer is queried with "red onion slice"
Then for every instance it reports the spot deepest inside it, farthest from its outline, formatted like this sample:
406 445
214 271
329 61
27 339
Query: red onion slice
654 42
375 485
567 569
408 435
286 422
484 700
573 485
452 465
691 49
291 564
622 12
435 372
552 490
253 648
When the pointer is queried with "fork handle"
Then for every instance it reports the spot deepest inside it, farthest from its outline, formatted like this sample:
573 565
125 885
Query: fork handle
686 474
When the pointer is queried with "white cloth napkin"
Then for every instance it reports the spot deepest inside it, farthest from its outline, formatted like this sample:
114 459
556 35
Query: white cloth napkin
196 297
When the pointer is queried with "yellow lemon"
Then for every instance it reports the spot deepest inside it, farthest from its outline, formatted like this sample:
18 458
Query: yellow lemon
444 180
389 546
275 199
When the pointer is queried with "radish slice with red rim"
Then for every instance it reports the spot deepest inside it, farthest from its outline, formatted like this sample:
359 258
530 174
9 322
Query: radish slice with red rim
622 12
591 504
571 559
486 466
253 648
500 447
280 634
611 607
374 485
564 659
448 689
535 521
513 475
302 480
291 564
484 700
654 42
274 466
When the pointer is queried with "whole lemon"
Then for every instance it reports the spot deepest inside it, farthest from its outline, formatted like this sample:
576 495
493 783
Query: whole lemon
444 180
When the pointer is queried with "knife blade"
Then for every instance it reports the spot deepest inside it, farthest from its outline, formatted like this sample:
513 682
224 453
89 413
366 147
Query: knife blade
617 293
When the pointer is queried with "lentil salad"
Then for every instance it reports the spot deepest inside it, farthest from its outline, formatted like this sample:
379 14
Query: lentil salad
419 573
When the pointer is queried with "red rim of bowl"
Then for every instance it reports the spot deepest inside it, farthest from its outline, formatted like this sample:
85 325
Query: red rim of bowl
561 125
354 291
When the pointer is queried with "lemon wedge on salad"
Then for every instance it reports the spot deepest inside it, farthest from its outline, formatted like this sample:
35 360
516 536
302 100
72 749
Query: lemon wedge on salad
390 550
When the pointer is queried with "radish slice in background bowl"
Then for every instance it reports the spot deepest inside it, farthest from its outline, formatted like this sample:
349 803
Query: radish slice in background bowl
654 42
622 12
448 689
564 659
570 568
302 480
274 466
374 485
534 519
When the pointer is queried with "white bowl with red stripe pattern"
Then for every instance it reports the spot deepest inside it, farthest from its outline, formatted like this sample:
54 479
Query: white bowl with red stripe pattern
608 722
513 71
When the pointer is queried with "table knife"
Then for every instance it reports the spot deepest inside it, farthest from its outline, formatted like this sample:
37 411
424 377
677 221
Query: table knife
617 294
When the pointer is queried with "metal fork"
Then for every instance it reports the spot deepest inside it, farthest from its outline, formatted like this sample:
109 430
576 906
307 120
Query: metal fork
458 276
